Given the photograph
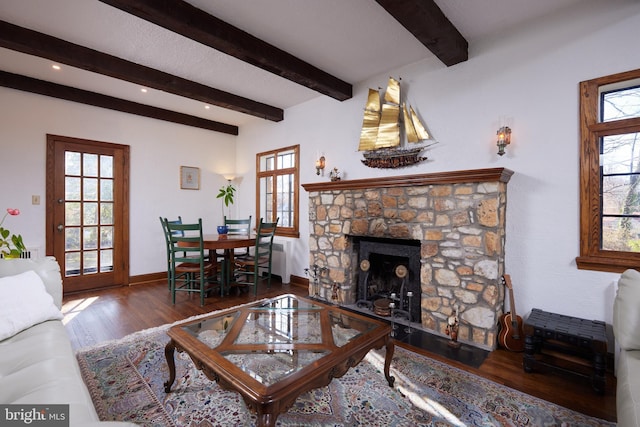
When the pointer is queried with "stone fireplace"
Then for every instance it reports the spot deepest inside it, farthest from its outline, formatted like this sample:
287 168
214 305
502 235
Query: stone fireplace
454 220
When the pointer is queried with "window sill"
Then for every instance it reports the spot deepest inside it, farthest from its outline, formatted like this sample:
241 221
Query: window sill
608 264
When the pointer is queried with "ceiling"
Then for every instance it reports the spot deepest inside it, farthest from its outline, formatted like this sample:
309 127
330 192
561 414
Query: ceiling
329 46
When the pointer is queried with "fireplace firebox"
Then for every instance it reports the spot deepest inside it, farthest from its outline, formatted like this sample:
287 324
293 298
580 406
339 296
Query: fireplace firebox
389 271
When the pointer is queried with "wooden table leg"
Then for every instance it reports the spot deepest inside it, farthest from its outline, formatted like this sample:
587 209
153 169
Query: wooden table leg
266 420
387 360
168 354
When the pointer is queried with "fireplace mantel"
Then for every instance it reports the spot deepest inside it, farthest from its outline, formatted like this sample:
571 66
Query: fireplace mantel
452 177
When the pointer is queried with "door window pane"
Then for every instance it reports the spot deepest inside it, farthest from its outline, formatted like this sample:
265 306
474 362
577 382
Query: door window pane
106 237
72 213
106 190
72 188
72 239
89 262
72 163
90 214
106 213
72 264
106 166
90 238
90 189
106 260
90 165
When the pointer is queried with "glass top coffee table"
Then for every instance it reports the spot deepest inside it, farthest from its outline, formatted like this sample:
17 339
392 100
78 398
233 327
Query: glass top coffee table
273 350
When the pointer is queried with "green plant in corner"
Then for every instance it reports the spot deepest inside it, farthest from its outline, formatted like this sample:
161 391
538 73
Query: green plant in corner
226 193
7 239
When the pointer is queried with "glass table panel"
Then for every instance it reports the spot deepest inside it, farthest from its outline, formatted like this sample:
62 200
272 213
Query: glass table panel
345 328
212 331
270 367
281 327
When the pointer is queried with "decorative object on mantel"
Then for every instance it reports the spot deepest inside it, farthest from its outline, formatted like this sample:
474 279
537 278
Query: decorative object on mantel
504 139
380 138
6 251
320 165
335 174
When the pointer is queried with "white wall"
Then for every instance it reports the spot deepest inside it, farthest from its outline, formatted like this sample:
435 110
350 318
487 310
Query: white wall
158 149
529 74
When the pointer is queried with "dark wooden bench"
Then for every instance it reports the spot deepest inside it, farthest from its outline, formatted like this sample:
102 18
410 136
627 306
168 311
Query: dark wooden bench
566 343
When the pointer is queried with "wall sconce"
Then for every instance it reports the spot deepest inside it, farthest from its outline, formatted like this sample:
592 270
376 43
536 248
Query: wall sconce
504 139
319 165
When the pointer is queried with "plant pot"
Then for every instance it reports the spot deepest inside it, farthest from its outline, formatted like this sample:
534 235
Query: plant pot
223 229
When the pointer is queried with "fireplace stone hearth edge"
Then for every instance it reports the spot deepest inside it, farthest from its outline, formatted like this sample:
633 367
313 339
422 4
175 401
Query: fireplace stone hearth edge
458 217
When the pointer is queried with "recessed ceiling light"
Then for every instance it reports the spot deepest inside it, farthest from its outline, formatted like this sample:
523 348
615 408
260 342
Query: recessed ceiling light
207 107
144 90
56 67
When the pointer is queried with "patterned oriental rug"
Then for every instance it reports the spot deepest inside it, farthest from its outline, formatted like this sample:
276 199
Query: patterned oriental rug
125 378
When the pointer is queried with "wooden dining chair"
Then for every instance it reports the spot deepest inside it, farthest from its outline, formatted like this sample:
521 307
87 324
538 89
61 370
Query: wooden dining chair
240 227
190 269
168 243
247 270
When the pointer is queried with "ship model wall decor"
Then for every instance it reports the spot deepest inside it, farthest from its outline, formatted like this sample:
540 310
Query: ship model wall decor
381 135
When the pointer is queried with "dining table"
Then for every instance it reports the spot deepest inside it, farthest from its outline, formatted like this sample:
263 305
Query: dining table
227 243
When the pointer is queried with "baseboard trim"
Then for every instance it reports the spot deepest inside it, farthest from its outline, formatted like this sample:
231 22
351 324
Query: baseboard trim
299 281
147 278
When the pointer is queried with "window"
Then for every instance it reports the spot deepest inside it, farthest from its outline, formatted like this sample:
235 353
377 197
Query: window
610 173
277 188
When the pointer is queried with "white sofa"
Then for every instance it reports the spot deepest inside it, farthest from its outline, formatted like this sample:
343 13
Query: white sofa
37 362
626 328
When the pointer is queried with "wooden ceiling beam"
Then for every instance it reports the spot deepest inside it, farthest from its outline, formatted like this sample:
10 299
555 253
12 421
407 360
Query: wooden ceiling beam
182 18
425 20
41 87
42 45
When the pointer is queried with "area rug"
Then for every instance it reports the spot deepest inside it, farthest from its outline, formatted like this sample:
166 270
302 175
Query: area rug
125 379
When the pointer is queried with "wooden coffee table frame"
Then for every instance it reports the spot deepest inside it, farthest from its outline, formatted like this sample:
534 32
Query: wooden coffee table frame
270 401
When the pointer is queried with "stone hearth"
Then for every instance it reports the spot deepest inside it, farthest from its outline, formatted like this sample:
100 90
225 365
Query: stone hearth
457 217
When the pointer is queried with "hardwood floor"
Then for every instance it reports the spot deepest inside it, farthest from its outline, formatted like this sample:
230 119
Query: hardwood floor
94 317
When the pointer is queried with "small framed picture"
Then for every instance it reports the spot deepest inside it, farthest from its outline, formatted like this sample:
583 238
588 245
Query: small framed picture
189 178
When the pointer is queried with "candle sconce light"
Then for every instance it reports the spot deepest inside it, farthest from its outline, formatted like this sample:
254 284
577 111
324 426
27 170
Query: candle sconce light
504 139
320 165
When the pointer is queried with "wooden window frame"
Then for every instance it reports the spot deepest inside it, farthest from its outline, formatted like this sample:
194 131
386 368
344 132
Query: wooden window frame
293 231
592 257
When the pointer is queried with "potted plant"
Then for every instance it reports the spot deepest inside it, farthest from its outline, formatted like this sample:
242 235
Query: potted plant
226 193
6 241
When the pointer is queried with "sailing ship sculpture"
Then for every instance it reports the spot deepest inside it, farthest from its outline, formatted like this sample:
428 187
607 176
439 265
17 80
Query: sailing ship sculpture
381 134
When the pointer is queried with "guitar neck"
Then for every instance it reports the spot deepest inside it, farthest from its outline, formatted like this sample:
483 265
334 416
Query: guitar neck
512 303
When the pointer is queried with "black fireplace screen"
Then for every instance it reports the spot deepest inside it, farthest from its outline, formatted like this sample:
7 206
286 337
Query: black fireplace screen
389 269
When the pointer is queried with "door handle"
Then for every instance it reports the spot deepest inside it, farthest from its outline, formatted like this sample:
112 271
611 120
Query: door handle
60 227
